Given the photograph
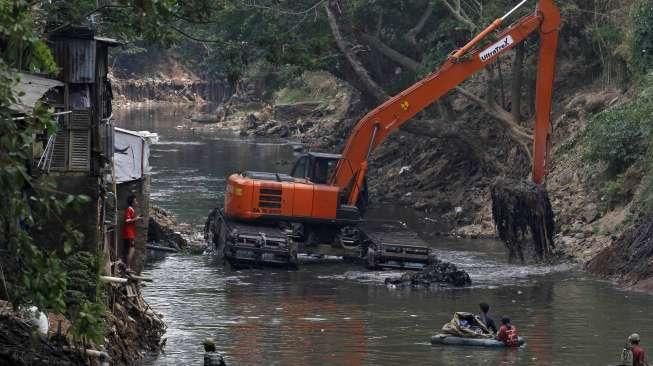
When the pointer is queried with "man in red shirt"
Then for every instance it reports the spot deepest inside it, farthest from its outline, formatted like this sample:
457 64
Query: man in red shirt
508 333
129 228
639 356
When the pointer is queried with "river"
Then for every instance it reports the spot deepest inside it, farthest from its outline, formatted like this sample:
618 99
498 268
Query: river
340 314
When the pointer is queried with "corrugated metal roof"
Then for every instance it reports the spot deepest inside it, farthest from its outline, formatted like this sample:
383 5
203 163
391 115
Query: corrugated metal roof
33 88
109 41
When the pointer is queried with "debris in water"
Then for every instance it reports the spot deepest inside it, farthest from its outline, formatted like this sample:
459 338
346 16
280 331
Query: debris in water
438 272
521 208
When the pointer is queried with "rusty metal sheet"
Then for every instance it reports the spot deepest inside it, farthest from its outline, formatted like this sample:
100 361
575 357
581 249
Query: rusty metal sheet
77 59
33 88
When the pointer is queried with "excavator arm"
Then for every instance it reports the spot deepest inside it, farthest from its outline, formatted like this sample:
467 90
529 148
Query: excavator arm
370 131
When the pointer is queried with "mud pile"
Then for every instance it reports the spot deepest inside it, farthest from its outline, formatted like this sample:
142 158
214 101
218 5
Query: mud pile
435 274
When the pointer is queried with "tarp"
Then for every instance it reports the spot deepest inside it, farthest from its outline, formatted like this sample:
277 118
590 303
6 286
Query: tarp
466 325
131 154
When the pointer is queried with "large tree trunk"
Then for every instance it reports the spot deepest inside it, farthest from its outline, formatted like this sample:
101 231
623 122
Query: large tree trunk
391 53
411 36
516 132
516 83
371 87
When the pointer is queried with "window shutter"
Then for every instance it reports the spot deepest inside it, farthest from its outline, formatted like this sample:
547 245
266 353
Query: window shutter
60 150
80 140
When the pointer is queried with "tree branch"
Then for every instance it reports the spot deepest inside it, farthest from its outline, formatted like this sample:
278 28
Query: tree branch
370 85
283 11
516 83
411 36
391 53
459 14
517 133
449 133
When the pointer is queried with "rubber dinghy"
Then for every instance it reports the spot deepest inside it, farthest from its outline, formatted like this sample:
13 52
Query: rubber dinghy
475 342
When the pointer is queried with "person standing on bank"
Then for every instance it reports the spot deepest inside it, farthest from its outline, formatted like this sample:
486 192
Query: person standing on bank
129 229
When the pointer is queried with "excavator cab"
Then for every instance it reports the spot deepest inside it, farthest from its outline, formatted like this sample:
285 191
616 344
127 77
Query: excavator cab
316 167
320 168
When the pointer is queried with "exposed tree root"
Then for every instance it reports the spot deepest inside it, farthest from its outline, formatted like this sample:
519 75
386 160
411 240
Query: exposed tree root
524 219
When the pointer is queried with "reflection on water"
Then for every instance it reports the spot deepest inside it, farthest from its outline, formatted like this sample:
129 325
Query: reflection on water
339 314
309 317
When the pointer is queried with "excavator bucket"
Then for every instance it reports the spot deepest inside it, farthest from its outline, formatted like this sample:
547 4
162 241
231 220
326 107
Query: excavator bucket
524 219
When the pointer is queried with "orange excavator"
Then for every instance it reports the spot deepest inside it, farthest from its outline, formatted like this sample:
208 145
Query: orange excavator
269 217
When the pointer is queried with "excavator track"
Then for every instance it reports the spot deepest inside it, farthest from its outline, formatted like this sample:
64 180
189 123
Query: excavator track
251 245
244 245
392 245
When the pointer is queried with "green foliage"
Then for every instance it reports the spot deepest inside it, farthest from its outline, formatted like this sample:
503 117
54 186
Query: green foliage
24 49
612 193
88 325
83 272
34 275
43 280
608 34
642 47
621 136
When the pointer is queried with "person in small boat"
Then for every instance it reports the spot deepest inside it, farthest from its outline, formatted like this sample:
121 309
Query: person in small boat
508 333
486 319
639 356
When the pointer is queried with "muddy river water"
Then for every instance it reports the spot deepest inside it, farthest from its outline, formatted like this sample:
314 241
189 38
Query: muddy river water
341 314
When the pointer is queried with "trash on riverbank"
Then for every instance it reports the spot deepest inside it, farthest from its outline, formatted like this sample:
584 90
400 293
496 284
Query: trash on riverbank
132 325
20 343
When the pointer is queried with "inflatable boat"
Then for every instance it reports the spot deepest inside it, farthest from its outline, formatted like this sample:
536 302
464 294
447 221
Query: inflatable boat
476 342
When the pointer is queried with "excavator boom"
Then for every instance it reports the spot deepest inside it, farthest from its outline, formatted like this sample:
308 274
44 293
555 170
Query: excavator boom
396 111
